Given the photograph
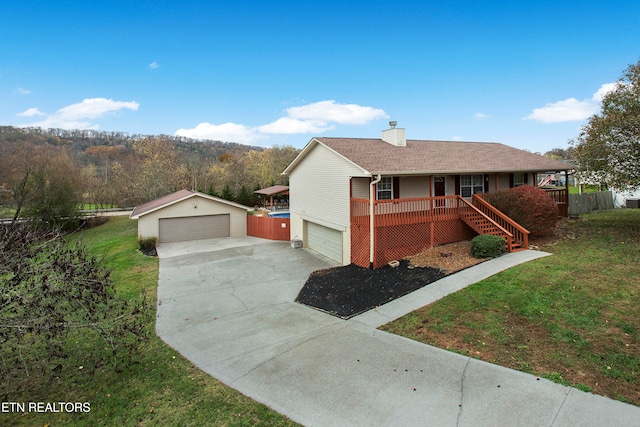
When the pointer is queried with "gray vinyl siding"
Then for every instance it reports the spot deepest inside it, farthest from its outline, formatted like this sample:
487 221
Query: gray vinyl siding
319 188
503 181
360 187
450 184
414 186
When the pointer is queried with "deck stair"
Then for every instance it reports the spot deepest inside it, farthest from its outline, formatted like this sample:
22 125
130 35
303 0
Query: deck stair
483 218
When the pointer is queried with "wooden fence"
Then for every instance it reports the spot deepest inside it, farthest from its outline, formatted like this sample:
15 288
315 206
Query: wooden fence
267 227
588 202
559 195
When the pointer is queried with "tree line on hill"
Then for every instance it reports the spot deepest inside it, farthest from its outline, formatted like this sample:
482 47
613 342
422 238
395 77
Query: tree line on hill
48 174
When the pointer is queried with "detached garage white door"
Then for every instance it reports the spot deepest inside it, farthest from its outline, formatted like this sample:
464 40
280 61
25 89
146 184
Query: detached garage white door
194 228
324 240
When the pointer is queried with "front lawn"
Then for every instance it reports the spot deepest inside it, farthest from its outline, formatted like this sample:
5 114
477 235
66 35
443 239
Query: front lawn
158 387
573 317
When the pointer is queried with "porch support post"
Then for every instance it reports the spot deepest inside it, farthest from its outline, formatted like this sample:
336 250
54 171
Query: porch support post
566 188
372 223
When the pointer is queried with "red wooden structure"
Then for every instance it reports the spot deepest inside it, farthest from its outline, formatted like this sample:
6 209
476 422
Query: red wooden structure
404 227
266 227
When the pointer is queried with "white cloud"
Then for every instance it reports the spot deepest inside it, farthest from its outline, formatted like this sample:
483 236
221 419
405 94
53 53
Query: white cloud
23 91
604 89
290 125
564 111
76 116
482 116
315 118
571 109
154 65
226 132
330 111
31 112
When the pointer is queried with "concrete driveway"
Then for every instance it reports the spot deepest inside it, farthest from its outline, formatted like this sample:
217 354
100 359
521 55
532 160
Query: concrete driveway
227 305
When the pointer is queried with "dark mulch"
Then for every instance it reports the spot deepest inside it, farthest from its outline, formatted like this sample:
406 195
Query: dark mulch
350 290
152 252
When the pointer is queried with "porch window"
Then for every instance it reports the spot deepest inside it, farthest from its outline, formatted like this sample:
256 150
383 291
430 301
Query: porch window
518 179
384 189
471 184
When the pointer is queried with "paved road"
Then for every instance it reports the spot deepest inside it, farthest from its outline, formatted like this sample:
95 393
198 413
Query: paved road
227 305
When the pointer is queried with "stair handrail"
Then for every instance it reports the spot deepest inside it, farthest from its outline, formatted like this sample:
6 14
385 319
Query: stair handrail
520 229
488 218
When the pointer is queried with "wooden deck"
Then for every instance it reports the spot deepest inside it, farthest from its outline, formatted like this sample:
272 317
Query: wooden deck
404 227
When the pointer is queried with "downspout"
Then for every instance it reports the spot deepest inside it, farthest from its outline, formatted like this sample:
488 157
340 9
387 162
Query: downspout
371 219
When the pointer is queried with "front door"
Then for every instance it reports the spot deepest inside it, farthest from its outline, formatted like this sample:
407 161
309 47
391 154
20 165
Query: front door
439 190
438 186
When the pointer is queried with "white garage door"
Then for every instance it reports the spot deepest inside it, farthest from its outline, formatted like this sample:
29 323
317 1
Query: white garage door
324 240
194 228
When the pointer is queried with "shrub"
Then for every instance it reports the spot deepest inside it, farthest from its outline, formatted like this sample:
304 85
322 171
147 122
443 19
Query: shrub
529 206
487 246
147 244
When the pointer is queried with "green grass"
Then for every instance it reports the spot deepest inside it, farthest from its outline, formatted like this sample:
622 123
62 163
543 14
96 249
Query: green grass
573 317
7 212
573 189
159 387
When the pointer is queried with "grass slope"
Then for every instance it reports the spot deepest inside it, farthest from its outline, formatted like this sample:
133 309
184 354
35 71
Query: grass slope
573 317
159 387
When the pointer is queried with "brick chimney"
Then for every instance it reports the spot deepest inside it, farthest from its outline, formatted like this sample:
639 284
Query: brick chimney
394 136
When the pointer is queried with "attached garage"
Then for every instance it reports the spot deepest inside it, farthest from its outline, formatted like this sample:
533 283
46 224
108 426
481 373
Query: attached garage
188 215
324 240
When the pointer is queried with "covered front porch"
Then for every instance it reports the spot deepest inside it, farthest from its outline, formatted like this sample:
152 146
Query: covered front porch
404 227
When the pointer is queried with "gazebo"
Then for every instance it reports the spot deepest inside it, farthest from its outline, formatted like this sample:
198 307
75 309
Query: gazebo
275 190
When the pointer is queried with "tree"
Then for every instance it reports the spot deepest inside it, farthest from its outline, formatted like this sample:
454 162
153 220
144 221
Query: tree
245 197
53 294
56 182
154 170
608 146
44 182
265 167
161 170
227 194
559 154
18 169
198 169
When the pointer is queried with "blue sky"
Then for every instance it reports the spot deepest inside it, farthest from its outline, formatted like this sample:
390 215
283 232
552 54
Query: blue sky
527 74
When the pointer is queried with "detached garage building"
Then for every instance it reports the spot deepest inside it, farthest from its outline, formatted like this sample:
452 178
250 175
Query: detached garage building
190 215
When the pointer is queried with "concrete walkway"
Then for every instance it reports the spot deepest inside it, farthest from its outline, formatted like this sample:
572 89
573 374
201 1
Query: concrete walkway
227 305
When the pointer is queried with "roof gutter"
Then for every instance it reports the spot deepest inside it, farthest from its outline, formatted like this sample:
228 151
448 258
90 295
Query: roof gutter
371 219
464 172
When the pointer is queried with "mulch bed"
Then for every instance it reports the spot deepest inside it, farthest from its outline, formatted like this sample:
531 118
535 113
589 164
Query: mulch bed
350 290
152 252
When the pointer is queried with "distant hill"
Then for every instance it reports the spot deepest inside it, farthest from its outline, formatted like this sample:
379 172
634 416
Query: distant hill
78 140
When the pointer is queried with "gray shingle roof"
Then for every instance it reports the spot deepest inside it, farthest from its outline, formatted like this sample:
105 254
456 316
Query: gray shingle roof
161 201
426 157
172 198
